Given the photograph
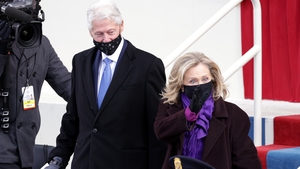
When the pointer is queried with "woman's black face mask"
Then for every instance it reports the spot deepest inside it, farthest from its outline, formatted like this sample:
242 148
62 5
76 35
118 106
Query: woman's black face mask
205 88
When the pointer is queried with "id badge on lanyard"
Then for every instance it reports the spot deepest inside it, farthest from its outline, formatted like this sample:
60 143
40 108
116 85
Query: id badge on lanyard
28 98
28 92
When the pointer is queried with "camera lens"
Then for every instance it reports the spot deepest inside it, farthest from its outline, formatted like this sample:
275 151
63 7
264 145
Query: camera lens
28 35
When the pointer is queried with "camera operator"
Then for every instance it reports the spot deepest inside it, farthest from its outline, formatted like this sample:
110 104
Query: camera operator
22 73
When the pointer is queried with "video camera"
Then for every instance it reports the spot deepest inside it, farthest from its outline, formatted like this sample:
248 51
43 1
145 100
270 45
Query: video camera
25 18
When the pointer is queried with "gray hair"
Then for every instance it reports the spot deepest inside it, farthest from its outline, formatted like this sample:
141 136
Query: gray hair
101 10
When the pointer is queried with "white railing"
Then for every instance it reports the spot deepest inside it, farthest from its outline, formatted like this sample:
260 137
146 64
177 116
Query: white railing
255 52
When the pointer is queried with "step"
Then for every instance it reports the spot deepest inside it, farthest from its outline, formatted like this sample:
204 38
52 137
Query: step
269 110
287 130
288 158
286 142
263 151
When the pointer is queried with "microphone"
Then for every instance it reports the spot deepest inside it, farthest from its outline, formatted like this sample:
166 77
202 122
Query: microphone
16 14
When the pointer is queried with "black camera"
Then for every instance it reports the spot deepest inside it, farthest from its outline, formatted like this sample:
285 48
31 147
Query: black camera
25 18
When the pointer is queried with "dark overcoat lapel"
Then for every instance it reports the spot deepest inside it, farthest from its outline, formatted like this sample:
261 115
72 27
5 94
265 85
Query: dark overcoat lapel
88 81
219 127
122 70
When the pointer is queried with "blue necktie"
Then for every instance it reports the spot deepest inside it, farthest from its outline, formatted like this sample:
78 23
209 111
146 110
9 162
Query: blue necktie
105 81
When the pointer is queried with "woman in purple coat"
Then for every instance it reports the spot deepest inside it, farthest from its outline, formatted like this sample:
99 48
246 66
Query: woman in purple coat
195 121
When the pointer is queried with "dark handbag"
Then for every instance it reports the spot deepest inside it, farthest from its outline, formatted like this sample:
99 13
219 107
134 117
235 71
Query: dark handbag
41 154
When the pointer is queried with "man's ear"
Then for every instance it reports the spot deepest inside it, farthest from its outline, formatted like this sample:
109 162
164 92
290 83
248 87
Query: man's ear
122 27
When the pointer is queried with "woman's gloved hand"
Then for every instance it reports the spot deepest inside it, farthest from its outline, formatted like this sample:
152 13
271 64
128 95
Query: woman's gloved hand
200 95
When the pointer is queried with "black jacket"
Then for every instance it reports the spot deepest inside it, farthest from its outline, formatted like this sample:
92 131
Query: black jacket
36 64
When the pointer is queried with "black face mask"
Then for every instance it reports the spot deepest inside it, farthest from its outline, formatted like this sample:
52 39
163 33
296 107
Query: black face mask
205 88
110 47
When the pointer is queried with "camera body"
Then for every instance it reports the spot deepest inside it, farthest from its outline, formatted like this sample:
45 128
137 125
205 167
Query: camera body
25 18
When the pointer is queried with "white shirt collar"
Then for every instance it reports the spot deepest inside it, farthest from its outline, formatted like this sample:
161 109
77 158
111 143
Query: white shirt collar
115 56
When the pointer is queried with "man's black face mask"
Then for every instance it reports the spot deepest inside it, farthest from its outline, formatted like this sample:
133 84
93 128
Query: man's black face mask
110 47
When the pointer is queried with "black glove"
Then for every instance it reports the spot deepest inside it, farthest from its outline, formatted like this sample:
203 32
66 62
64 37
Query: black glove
200 95
4 34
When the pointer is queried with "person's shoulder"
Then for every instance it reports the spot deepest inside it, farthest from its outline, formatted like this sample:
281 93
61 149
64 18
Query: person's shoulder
141 52
231 112
144 53
232 105
45 39
86 51
231 108
234 110
84 54
44 45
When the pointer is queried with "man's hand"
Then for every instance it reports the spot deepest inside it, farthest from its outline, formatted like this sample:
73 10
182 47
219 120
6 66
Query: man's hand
55 163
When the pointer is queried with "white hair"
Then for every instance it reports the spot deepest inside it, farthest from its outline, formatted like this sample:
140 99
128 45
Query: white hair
101 10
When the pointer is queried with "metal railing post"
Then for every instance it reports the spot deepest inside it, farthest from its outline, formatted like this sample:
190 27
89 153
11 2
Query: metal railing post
257 73
241 62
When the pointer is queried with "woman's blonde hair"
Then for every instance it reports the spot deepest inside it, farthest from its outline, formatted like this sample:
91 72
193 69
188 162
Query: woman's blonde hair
171 92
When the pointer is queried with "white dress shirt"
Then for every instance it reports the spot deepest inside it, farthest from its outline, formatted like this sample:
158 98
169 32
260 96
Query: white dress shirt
114 57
